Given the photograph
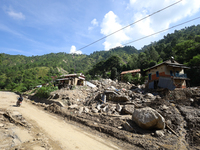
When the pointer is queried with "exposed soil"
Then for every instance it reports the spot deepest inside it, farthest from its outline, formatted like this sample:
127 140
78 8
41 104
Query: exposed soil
43 130
180 108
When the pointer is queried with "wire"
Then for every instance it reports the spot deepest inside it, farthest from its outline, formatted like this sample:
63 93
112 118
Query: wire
130 25
161 31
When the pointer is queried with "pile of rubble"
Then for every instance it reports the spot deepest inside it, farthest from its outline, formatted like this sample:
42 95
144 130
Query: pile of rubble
132 109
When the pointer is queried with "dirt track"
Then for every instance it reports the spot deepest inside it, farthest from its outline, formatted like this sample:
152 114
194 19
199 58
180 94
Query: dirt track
60 134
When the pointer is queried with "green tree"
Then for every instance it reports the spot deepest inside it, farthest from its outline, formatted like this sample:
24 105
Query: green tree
113 73
153 54
127 77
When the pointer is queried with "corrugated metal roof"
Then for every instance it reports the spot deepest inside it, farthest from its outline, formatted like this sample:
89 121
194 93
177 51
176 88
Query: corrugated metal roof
130 71
169 62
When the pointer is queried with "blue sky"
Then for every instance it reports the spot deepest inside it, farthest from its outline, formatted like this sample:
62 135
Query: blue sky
37 27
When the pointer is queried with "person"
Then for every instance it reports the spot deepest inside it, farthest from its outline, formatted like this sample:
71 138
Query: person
20 98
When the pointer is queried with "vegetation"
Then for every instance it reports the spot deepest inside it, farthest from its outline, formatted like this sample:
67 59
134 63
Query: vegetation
21 73
44 92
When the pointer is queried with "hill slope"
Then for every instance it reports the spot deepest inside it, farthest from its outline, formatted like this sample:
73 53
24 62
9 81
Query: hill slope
21 71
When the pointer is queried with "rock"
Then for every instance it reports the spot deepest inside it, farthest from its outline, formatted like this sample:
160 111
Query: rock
80 110
169 123
120 98
118 108
59 103
86 110
56 96
1 125
128 109
148 118
158 97
73 106
105 109
164 107
191 100
94 110
128 127
98 107
159 133
113 88
151 96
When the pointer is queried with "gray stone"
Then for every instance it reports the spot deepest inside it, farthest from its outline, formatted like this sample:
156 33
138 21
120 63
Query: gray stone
56 96
164 107
158 97
148 118
159 133
120 98
59 103
94 110
149 95
168 122
105 109
128 109
73 106
98 107
128 127
191 100
118 107
86 110
80 110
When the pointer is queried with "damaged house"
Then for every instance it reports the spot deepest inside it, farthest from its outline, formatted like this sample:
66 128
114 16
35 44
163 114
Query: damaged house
169 74
71 79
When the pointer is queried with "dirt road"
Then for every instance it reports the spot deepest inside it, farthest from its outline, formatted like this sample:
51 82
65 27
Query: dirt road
61 134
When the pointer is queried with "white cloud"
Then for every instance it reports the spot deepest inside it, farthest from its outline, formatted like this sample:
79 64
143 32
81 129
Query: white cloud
132 1
94 23
74 51
15 15
109 25
162 20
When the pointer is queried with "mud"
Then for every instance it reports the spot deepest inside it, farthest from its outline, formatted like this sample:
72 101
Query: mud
180 108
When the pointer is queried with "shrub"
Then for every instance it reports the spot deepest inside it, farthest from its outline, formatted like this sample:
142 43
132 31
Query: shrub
44 92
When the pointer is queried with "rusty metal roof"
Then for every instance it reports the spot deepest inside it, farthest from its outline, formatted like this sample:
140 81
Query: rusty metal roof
130 71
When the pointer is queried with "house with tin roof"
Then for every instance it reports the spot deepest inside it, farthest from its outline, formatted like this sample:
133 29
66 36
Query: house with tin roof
71 79
168 74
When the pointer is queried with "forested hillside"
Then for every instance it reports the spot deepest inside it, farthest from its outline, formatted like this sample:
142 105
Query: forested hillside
20 73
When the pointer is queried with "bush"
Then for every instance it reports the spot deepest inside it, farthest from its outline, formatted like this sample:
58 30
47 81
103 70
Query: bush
44 92
128 77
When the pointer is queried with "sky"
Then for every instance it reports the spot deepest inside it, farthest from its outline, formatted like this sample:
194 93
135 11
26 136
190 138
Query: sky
38 27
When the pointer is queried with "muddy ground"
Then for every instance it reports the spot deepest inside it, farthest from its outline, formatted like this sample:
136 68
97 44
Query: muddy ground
180 108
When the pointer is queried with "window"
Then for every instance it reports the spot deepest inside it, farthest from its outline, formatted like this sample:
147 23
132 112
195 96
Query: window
157 73
150 76
177 74
171 73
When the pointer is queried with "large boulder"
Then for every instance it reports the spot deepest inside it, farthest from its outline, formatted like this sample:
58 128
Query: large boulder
148 118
